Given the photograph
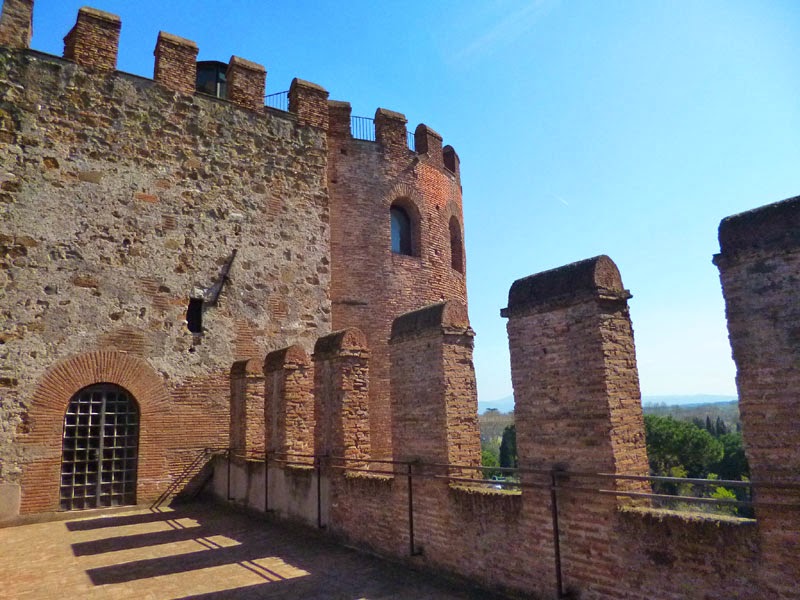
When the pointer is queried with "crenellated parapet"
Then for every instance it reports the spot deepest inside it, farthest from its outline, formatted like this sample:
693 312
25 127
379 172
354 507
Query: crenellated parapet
573 367
433 392
341 389
289 403
247 407
176 63
16 24
759 268
94 40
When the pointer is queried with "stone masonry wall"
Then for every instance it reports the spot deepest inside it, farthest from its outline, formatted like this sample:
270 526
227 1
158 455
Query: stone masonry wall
364 179
120 201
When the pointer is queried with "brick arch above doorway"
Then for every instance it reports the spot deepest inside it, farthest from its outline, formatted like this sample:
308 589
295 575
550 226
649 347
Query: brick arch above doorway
42 445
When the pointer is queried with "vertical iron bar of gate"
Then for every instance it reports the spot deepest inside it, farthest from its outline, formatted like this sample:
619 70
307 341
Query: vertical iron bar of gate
410 509
556 541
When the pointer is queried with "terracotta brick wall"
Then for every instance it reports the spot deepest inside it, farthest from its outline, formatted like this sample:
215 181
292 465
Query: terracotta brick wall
247 432
573 367
289 406
433 395
176 66
759 265
309 102
94 40
246 83
370 285
341 397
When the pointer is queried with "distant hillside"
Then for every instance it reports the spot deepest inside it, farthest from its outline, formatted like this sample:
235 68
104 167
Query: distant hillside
687 399
727 411
506 405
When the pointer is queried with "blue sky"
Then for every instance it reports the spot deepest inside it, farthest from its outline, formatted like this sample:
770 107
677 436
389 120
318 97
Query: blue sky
583 127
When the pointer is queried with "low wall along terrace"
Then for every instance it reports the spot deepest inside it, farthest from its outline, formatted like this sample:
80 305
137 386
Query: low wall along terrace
593 534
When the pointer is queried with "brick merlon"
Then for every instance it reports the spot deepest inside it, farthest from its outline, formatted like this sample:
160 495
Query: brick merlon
391 115
291 357
250 367
593 278
341 342
101 15
772 227
450 315
308 85
243 63
164 37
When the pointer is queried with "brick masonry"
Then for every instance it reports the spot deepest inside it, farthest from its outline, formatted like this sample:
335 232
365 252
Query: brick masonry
433 395
341 397
759 265
365 179
115 212
569 320
289 406
247 407
176 63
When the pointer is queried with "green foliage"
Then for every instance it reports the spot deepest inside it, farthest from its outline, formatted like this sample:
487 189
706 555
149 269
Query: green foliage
508 448
489 458
672 443
733 464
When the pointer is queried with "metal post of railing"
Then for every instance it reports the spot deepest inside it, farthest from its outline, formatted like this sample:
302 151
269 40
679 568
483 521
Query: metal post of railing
556 536
229 456
266 481
410 510
318 469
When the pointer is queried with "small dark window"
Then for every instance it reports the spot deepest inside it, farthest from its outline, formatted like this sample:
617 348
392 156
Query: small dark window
456 246
194 315
401 232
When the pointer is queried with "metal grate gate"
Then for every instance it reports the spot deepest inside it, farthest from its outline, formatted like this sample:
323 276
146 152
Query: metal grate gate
101 434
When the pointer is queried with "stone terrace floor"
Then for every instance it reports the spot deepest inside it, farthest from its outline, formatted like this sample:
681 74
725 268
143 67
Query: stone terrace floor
198 551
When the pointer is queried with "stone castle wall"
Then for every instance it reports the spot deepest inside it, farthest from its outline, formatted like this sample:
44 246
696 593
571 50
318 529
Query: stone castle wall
123 200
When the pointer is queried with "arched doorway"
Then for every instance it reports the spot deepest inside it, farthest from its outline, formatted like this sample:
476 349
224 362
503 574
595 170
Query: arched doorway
100 448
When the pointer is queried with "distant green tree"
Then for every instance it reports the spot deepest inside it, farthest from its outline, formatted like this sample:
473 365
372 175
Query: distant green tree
672 443
508 448
709 426
489 458
733 464
720 428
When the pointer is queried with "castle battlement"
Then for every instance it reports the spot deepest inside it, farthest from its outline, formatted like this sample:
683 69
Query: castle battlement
93 43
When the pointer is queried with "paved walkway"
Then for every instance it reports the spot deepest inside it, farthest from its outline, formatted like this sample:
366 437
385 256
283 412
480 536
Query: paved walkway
199 551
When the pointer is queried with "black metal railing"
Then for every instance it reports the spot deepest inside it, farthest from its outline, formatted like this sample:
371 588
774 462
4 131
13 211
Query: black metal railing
362 128
411 141
517 480
278 100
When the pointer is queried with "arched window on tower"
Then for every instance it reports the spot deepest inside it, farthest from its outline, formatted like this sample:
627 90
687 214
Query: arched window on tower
456 246
402 242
